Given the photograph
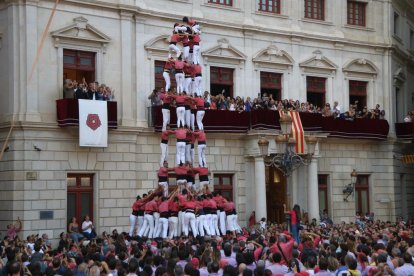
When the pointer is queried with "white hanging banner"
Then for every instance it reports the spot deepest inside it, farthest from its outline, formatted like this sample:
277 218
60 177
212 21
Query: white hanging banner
93 123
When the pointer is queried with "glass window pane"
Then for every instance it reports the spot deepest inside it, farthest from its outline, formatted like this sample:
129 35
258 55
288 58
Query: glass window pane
216 181
364 202
322 202
85 61
356 201
85 209
226 180
71 181
69 59
226 194
86 182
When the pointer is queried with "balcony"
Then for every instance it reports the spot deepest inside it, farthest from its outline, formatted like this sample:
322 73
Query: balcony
405 131
68 113
223 121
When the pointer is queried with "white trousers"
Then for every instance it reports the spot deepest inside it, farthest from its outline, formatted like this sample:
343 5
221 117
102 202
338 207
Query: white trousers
192 119
179 78
180 156
200 225
172 227
189 221
140 220
165 118
198 85
188 152
214 222
132 223
196 54
231 223
167 79
162 228
164 186
173 47
186 52
187 85
144 227
188 117
180 223
180 110
222 220
156 216
201 151
200 116
164 153
207 224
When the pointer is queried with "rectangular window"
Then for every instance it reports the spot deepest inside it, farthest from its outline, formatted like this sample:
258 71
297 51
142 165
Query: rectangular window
323 192
221 81
396 23
271 83
315 9
79 65
315 91
222 2
159 78
224 184
358 93
80 196
356 13
272 6
362 194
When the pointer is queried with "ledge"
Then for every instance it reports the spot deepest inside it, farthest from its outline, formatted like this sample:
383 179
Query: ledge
218 6
269 14
361 28
316 21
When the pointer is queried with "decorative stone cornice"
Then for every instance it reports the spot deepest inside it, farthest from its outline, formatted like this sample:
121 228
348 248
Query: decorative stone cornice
318 64
224 50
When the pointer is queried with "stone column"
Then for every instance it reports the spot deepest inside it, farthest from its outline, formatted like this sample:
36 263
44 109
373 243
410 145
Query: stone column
313 194
260 185
126 68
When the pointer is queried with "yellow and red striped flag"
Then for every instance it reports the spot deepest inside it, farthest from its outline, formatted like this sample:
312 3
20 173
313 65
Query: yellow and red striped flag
297 131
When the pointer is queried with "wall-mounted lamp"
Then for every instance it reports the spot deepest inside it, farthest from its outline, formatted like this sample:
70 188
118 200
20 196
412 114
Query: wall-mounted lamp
349 189
37 148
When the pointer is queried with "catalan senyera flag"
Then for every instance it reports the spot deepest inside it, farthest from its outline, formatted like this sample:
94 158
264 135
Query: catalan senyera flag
408 159
297 131
93 123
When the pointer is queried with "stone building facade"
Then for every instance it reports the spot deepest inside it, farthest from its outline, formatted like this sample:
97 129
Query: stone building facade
129 37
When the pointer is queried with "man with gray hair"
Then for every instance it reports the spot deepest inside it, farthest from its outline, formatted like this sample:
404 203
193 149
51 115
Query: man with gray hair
94 271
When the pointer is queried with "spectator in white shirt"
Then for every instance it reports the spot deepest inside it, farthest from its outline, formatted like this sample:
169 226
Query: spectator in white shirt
407 268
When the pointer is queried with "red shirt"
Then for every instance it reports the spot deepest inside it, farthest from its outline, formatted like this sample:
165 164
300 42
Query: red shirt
164 206
168 65
211 204
180 99
219 201
163 172
174 38
151 206
196 39
181 133
197 69
293 218
199 102
190 204
182 199
136 205
188 70
200 136
201 171
165 134
165 98
179 64
228 206
173 206
183 170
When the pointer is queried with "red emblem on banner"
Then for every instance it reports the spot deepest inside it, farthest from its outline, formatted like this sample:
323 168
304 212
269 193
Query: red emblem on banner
93 121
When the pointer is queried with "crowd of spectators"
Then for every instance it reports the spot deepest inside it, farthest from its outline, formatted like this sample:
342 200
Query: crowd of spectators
374 248
74 90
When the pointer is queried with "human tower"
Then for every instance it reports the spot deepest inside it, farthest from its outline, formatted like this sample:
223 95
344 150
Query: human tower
189 207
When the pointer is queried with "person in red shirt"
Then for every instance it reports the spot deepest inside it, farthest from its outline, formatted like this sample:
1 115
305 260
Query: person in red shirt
189 207
179 74
200 217
189 148
198 79
164 210
199 102
220 212
169 64
294 221
150 208
180 109
181 176
163 178
134 215
202 177
173 208
188 72
181 135
212 206
166 103
175 38
200 136
164 145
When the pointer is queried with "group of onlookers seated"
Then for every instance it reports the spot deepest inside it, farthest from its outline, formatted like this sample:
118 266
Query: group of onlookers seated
82 90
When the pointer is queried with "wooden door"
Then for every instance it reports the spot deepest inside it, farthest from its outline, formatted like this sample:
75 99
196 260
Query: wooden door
275 195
